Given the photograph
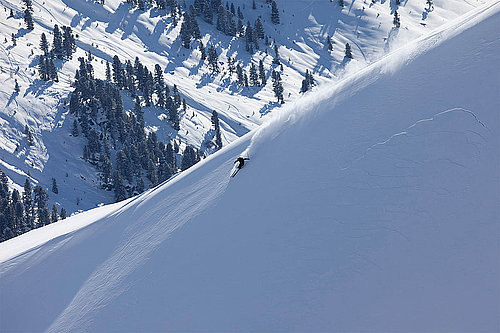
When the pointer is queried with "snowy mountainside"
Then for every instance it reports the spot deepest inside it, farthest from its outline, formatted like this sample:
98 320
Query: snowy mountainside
117 28
370 204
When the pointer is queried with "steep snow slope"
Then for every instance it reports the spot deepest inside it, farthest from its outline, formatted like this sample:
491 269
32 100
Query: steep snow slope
371 204
116 28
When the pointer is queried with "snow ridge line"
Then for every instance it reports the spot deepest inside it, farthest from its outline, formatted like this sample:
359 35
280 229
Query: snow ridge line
351 84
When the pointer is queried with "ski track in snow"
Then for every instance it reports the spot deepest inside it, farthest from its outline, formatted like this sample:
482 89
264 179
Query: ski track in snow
106 283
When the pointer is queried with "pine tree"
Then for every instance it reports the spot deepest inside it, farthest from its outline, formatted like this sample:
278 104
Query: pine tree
176 95
348 52
276 58
341 3
277 86
201 47
239 73
108 72
28 19
117 72
254 77
42 68
189 158
138 110
230 65
29 136
54 217
57 46
86 154
195 29
309 78
161 4
396 21
249 37
51 70
40 201
159 80
213 59
54 186
259 29
69 45
262 73
16 87
119 187
18 212
29 5
13 38
329 43
186 32
215 122
44 45
173 114
275 15
207 12
221 23
304 86
430 4
63 213
74 130
198 6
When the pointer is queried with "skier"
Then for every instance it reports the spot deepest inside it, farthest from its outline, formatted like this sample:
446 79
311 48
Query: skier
238 164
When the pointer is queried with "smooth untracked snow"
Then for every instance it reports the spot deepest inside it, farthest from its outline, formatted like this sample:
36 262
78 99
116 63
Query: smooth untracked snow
371 205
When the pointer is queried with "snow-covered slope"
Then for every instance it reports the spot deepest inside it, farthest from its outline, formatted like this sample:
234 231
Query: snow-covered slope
116 28
369 205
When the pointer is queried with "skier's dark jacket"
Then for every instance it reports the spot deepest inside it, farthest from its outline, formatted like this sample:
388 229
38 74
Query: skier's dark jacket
240 161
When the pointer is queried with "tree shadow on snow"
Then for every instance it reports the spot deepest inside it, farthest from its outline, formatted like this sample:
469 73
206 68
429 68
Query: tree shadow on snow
38 87
11 99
